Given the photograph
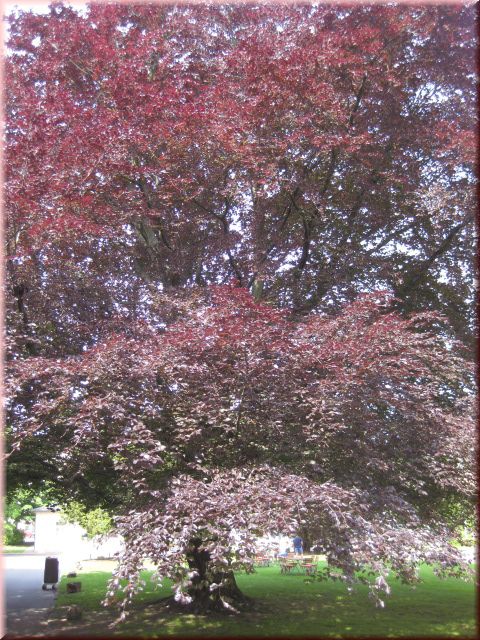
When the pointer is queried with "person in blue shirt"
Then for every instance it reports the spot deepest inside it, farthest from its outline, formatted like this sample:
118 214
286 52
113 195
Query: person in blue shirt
298 545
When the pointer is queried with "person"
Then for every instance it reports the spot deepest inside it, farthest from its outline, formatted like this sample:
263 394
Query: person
298 545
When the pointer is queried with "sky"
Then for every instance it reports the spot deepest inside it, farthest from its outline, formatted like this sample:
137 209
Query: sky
10 6
32 5
29 5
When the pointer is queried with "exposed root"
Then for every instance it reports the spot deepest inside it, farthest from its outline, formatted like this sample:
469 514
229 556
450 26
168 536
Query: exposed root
222 605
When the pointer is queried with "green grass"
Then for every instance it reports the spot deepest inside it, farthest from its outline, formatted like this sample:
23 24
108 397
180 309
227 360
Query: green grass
288 606
10 548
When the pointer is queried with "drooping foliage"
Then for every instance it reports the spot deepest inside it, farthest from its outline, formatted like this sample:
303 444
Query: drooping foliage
237 420
321 158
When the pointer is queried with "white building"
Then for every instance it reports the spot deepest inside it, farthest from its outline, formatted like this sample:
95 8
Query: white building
52 535
46 529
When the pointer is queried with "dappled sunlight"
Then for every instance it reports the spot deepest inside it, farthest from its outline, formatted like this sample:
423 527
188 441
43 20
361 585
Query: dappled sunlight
434 607
240 301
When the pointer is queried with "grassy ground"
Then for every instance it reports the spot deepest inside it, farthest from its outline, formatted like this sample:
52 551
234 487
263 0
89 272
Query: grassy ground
288 606
9 548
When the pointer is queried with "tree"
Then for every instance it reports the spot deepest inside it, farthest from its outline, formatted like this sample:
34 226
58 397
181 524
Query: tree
96 522
18 506
310 153
237 420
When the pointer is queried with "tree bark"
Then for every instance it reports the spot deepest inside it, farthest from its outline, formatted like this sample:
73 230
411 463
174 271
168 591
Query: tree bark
204 593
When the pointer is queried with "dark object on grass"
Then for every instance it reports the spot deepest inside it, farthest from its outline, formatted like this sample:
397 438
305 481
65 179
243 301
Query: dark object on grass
74 612
74 587
50 574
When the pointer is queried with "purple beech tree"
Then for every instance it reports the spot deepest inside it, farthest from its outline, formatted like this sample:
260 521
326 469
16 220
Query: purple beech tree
312 153
238 420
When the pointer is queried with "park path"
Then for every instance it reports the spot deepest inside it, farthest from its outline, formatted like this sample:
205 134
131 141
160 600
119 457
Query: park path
26 604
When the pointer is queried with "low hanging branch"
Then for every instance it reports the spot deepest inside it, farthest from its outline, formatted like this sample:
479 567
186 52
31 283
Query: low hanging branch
191 455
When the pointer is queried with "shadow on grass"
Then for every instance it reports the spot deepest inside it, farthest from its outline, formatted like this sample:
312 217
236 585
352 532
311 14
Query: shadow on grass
287 605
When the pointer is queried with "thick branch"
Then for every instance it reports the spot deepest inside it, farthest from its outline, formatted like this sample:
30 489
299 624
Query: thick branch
419 273
141 183
226 231
358 100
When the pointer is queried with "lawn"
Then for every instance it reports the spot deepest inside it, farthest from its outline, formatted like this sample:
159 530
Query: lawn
288 606
9 548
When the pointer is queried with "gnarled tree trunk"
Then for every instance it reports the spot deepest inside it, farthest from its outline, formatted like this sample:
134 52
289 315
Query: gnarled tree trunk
210 589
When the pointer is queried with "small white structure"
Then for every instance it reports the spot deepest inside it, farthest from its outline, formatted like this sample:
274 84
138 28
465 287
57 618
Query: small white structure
46 523
469 554
52 535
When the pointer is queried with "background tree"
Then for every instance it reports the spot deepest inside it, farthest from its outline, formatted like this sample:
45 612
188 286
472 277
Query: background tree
311 154
96 522
18 507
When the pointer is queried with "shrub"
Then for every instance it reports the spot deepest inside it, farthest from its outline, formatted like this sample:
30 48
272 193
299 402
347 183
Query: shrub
12 535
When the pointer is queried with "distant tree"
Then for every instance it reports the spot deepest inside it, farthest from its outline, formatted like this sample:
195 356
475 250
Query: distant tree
96 522
17 508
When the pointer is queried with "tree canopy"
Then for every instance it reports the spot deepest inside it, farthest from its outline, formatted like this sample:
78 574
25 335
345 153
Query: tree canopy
312 152
237 421
240 278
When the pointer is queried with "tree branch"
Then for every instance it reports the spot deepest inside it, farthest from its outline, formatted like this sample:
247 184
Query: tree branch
141 183
419 273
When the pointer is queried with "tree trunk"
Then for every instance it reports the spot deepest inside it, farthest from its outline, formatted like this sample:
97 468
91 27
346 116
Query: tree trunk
204 592
307 539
